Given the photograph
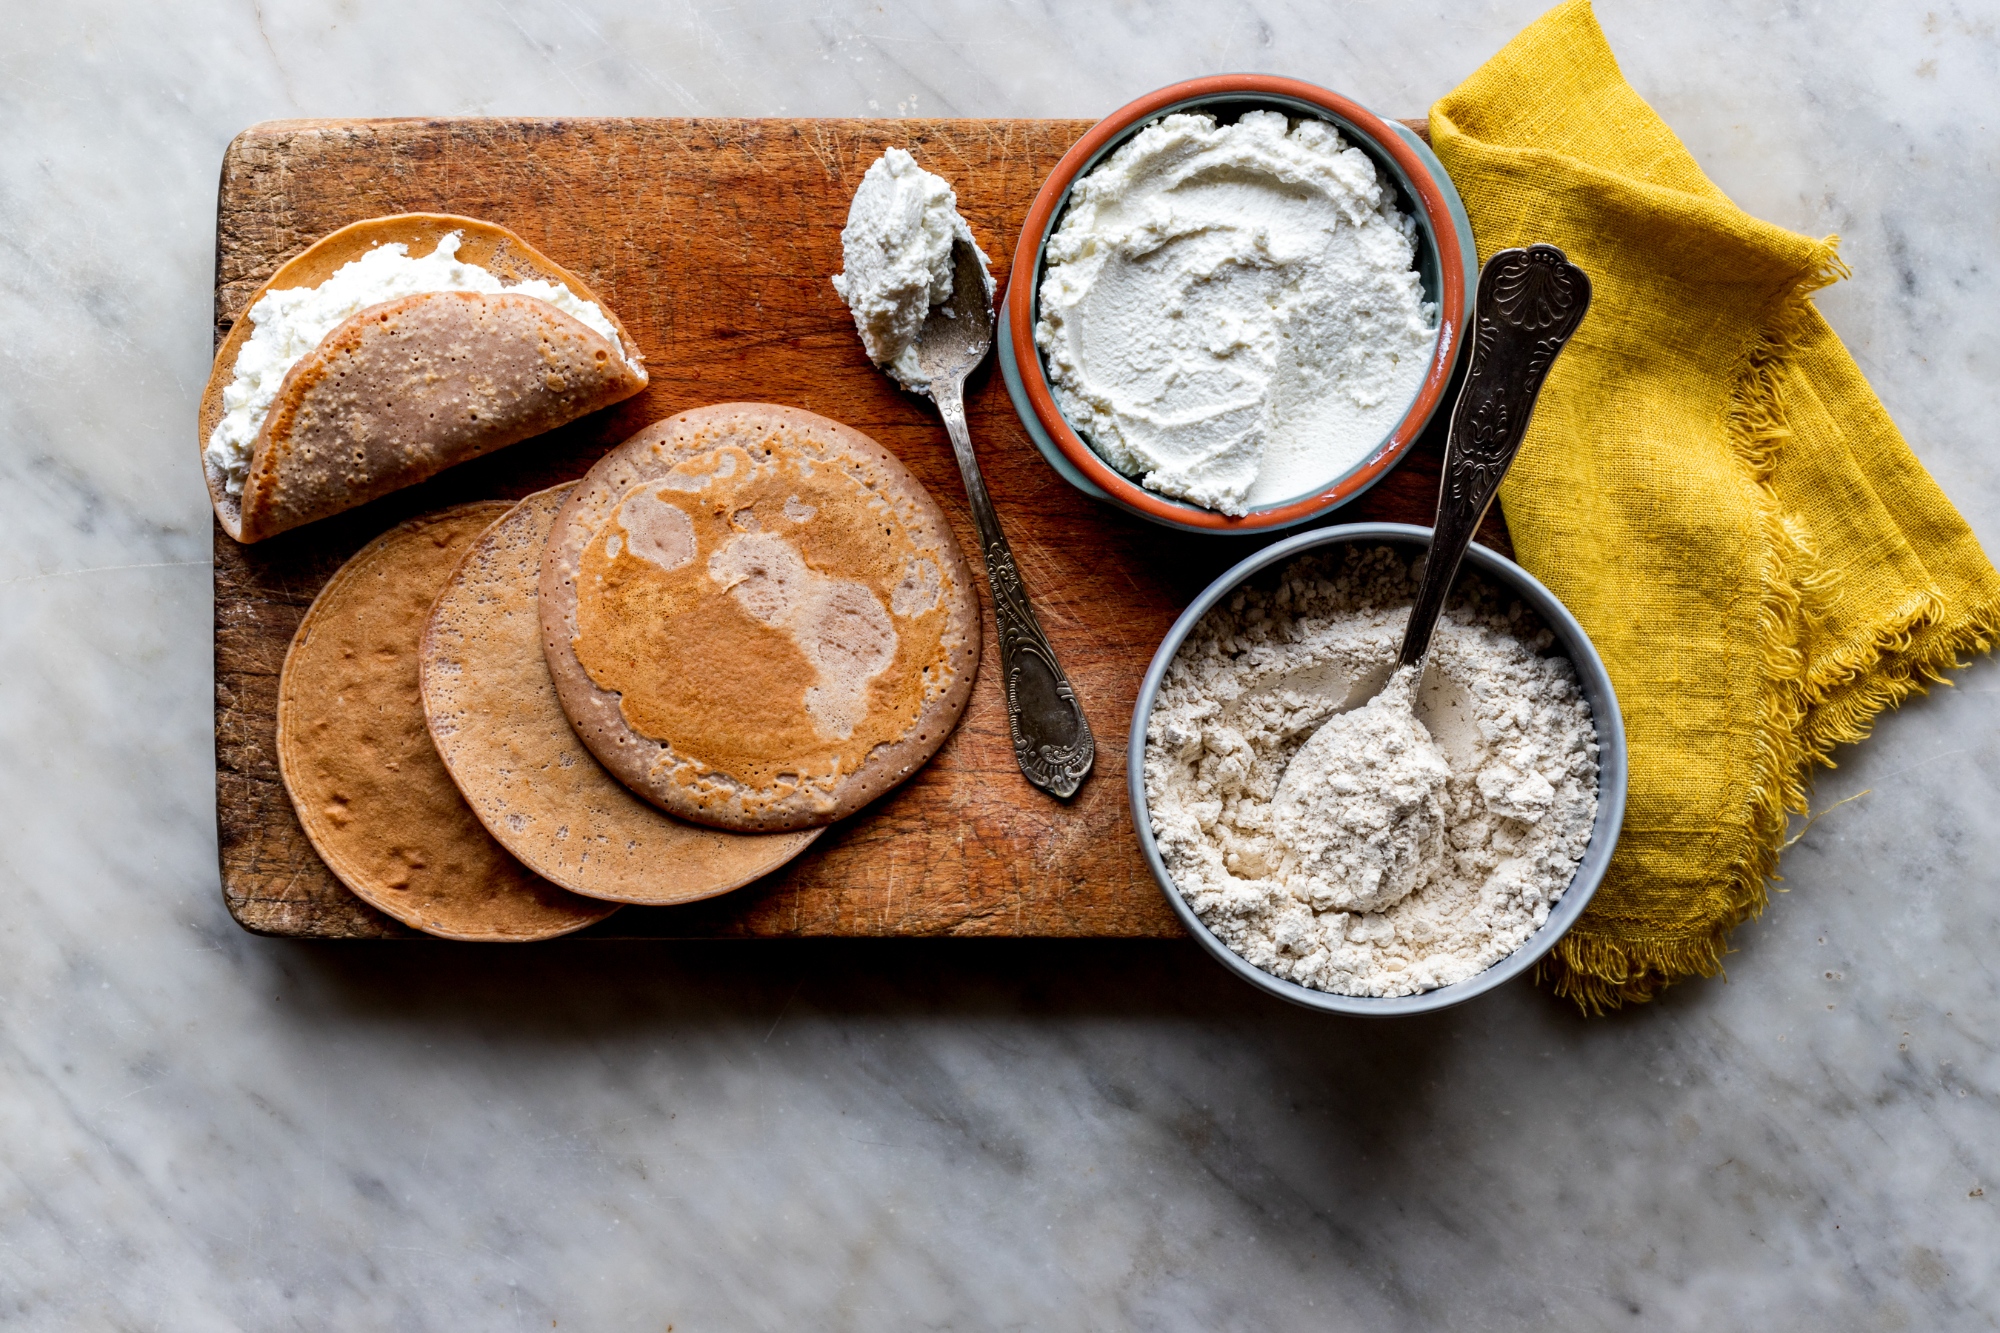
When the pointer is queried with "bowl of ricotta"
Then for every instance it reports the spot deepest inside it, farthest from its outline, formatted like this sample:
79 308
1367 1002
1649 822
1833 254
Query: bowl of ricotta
1236 303
1347 840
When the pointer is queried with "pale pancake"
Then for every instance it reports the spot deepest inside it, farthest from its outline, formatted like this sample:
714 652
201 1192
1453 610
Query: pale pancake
358 761
405 389
756 618
502 734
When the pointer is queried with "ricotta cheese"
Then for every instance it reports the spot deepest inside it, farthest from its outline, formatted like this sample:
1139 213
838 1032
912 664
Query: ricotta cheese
896 249
1231 313
289 322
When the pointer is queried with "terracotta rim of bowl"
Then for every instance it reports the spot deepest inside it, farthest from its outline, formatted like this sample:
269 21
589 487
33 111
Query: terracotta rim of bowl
1451 304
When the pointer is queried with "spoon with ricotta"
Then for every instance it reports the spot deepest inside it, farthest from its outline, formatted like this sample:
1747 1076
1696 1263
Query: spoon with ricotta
1358 816
922 299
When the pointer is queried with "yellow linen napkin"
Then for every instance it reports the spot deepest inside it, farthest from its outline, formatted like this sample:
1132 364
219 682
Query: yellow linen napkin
1711 487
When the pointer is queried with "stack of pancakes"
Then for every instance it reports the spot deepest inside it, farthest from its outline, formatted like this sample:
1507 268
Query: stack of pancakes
653 685
499 722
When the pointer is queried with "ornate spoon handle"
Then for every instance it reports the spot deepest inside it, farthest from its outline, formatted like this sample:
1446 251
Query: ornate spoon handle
1052 740
1529 303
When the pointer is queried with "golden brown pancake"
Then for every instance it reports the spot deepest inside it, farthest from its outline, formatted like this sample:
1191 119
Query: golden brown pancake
403 390
358 761
756 618
503 736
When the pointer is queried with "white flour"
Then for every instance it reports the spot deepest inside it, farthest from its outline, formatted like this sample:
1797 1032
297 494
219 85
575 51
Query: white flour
1359 816
1370 873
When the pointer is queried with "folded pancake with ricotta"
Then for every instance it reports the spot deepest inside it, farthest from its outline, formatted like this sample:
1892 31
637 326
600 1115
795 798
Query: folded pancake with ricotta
756 618
391 350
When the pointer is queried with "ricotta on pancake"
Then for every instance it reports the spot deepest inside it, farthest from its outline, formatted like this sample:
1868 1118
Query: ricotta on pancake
287 323
391 350
756 618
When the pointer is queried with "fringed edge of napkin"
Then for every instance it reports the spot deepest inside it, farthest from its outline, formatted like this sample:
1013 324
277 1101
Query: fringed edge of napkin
1902 673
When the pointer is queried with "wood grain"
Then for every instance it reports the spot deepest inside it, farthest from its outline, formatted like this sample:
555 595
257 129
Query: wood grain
713 240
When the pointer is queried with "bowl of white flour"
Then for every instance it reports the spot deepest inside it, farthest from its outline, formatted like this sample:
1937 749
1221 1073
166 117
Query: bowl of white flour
1236 302
1351 865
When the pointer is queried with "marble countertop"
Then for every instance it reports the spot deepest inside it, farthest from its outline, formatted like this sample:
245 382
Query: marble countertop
202 1129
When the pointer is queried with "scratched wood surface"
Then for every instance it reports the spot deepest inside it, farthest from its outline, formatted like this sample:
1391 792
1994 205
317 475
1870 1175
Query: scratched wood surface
713 240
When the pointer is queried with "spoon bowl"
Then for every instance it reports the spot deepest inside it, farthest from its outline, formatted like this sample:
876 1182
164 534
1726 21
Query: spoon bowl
958 333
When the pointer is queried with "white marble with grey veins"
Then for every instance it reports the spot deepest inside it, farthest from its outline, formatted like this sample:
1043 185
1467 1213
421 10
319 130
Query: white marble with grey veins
204 1130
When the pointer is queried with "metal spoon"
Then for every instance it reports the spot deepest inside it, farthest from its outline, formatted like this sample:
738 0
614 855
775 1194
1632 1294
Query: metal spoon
1529 303
1052 741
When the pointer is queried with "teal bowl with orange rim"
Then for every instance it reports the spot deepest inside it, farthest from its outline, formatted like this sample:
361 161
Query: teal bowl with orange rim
1447 265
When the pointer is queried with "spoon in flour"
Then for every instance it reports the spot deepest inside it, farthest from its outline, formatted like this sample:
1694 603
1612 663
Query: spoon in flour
1358 815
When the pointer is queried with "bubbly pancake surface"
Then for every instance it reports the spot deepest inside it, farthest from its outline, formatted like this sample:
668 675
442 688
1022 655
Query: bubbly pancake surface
357 758
777 607
502 734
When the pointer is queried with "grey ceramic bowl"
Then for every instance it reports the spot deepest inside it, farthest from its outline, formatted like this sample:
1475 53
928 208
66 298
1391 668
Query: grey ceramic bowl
1575 645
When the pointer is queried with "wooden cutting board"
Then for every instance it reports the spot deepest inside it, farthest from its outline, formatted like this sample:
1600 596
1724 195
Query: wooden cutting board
713 240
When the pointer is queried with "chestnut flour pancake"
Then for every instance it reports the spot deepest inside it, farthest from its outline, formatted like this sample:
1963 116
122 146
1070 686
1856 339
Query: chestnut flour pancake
502 735
756 618
358 761
404 389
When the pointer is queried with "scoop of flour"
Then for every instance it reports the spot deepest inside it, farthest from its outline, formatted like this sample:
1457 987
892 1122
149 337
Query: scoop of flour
1359 815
